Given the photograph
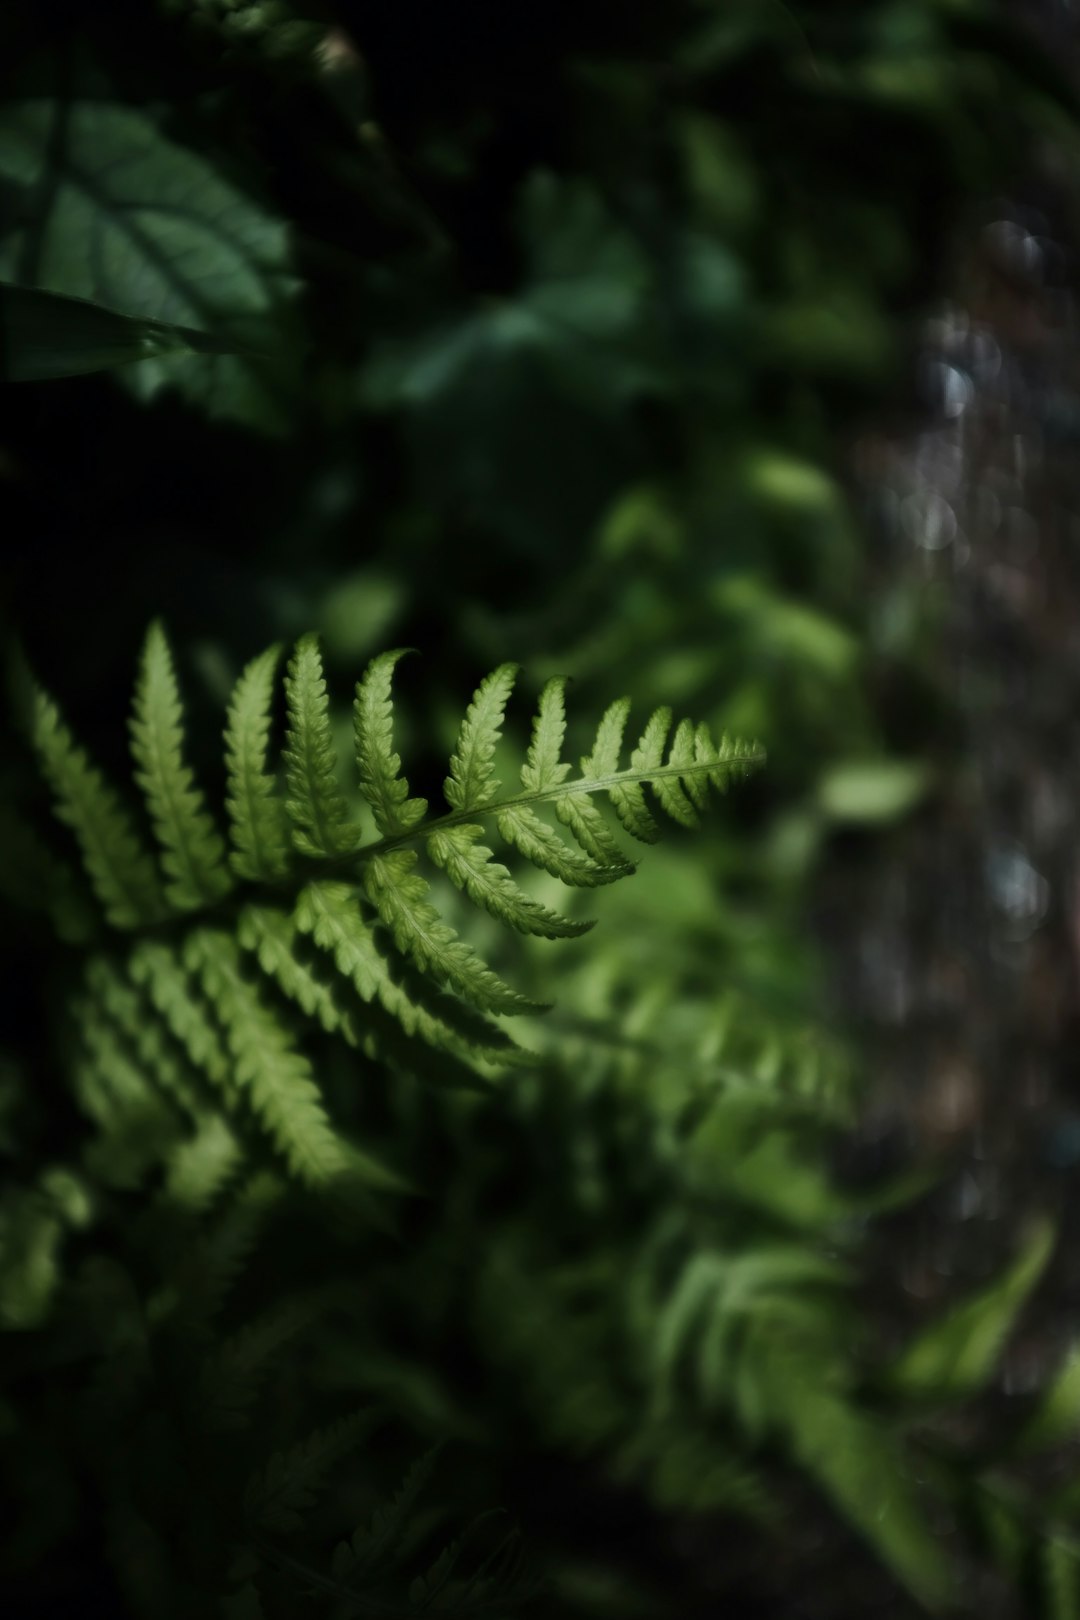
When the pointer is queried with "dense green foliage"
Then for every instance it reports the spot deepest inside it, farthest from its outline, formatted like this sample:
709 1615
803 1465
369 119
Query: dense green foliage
530 346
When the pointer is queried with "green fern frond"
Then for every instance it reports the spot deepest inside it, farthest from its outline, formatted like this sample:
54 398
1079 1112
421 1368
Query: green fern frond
147 1039
398 893
118 864
473 869
192 850
278 1495
178 1001
352 938
315 805
274 937
585 822
425 1589
199 1168
257 820
370 1550
627 802
209 1267
543 848
381 783
330 914
231 1376
264 1060
137 1123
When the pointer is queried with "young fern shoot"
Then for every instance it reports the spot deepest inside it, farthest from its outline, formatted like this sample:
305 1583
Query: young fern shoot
228 951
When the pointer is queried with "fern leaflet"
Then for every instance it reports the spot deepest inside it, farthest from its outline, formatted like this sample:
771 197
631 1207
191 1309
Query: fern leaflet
315 804
120 868
257 818
277 1496
381 782
192 857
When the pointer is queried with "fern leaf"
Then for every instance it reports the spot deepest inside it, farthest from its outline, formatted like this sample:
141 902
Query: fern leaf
257 819
424 1589
277 1495
627 801
138 1125
586 822
543 768
192 851
604 759
329 913
370 1551
210 1267
274 937
381 783
471 783
315 804
199 1168
230 1377
398 894
668 789
265 1062
475 871
533 838
147 1038
119 866
184 1010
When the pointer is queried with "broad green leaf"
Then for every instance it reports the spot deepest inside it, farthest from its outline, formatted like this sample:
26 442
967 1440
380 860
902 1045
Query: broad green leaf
43 336
105 208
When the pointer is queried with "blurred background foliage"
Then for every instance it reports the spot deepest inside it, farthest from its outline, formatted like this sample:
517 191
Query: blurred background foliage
543 339
557 334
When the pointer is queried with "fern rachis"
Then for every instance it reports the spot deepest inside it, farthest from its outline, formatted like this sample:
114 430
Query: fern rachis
225 951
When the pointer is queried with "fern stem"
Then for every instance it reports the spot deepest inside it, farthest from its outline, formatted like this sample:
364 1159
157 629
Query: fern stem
753 755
